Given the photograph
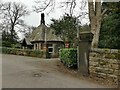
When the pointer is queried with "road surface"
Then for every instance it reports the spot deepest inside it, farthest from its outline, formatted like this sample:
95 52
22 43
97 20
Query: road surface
31 72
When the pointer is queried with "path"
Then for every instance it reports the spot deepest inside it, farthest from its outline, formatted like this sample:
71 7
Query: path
29 72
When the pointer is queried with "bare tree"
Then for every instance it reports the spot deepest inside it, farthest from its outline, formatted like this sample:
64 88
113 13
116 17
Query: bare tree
95 16
68 5
42 5
12 17
95 13
29 31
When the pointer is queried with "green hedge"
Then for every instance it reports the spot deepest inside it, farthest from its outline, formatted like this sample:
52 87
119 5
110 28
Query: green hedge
27 52
68 57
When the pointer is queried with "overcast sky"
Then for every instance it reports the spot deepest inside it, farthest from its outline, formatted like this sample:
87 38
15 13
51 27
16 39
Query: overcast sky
34 18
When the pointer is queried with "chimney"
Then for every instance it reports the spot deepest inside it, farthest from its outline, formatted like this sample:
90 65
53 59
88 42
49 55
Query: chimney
42 18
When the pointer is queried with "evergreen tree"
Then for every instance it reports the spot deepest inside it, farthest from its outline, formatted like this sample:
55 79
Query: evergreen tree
110 30
66 29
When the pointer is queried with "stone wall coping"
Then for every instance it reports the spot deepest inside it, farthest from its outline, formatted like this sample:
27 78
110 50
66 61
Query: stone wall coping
104 50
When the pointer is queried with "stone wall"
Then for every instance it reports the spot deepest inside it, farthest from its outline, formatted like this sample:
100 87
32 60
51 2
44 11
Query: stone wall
104 64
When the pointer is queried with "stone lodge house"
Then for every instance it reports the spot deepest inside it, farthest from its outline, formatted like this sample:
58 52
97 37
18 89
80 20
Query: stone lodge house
43 38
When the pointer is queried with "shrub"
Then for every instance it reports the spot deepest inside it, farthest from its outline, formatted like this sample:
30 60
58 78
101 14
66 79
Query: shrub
6 44
36 53
0 50
5 50
13 51
16 46
27 52
68 57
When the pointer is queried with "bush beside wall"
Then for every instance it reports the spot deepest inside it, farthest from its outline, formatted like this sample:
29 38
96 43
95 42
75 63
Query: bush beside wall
26 52
68 57
104 64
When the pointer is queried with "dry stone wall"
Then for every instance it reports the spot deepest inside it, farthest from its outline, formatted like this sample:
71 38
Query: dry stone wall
104 64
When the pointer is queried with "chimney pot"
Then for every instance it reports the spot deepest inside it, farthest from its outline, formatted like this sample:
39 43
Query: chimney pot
42 18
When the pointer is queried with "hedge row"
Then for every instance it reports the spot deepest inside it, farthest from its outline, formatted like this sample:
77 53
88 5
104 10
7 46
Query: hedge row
27 52
68 57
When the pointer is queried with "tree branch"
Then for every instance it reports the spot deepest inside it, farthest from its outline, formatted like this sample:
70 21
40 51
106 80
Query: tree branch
44 5
104 11
91 8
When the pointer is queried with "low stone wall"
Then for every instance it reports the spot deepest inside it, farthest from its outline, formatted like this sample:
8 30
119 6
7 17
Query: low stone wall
104 64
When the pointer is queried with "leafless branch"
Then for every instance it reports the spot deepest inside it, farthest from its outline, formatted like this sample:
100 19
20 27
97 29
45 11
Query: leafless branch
44 5
12 14
104 11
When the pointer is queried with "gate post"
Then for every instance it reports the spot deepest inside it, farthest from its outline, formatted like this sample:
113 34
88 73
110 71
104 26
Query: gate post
84 49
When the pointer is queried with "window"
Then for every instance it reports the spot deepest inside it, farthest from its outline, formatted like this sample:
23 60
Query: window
42 45
50 50
36 46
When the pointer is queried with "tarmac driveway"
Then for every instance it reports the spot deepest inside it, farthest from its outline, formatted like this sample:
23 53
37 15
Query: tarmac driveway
30 72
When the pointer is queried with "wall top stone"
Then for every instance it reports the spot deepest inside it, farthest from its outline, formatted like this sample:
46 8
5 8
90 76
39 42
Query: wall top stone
105 50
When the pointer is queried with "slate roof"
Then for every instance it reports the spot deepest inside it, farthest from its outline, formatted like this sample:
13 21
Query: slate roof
27 40
39 35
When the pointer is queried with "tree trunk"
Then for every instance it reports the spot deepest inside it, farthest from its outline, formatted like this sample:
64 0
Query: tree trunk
12 32
95 17
95 40
92 16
